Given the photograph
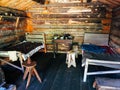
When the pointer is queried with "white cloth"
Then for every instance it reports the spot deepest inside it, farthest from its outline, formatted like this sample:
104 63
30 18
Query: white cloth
25 56
12 55
4 54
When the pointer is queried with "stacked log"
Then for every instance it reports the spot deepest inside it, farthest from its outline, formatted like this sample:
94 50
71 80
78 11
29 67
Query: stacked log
73 18
115 30
12 25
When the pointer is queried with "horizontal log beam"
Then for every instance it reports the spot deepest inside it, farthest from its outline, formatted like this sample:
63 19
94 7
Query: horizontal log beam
67 27
89 15
95 4
12 12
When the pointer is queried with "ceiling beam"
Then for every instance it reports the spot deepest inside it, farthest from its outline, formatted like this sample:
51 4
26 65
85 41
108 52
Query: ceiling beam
117 1
113 2
111 5
21 5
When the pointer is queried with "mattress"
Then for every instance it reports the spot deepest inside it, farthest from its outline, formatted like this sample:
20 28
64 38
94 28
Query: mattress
24 47
104 54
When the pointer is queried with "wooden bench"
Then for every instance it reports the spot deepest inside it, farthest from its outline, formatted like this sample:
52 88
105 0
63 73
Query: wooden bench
106 84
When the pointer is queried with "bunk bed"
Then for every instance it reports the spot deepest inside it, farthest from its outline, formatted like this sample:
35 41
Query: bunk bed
96 51
22 51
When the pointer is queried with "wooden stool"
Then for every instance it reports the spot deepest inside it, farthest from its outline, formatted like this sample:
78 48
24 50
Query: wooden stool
70 59
75 48
30 70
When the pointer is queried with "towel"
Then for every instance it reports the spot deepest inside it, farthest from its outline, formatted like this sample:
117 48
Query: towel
12 55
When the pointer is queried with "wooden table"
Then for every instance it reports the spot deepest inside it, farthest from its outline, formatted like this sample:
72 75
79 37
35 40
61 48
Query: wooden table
56 42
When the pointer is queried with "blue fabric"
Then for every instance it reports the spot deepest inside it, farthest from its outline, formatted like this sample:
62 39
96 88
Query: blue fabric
93 48
2 88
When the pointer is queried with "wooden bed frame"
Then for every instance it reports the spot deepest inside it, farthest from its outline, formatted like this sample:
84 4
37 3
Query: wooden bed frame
30 37
37 37
98 39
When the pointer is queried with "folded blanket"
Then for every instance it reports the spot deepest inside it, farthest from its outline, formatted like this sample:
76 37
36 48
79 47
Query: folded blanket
13 55
93 48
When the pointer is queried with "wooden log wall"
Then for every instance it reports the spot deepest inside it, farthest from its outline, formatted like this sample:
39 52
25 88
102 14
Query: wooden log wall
115 30
73 18
12 26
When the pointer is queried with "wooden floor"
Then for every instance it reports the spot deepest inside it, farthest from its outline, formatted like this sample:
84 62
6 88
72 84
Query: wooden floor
55 75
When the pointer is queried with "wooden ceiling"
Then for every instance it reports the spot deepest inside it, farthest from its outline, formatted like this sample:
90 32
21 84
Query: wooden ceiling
26 4
111 3
17 4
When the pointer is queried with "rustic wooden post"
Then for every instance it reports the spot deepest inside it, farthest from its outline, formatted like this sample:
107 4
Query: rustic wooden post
0 18
17 21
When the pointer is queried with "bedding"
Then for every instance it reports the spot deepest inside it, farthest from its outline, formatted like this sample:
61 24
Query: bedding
102 53
95 51
101 59
26 48
93 48
22 51
101 56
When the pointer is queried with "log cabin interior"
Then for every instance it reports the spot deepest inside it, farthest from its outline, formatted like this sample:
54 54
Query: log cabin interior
46 31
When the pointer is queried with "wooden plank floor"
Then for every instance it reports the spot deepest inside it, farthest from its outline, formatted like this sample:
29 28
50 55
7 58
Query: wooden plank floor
57 76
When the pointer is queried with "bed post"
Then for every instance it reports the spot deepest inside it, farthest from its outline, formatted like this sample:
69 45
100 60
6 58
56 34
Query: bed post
85 71
45 48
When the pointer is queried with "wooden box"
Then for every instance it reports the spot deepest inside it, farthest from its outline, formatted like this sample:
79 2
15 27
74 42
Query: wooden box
62 45
106 84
